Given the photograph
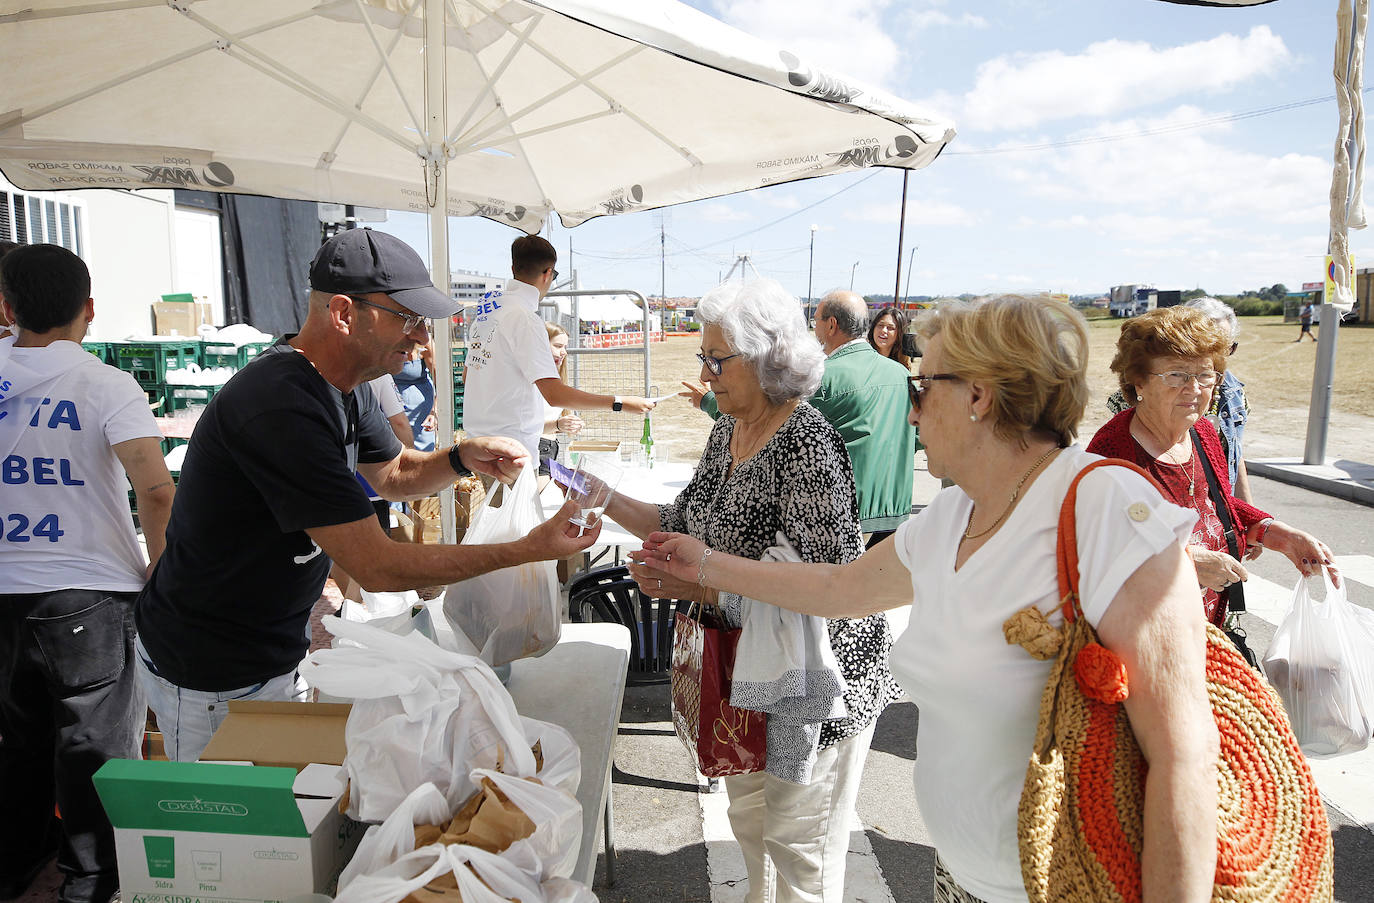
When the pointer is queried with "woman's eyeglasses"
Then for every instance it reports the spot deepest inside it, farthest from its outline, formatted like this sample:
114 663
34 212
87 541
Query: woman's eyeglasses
916 386
1178 379
412 321
713 363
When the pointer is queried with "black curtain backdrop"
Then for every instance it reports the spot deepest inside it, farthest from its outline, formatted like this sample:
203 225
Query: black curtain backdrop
268 244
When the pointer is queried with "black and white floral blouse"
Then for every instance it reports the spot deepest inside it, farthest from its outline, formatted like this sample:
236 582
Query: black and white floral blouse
801 483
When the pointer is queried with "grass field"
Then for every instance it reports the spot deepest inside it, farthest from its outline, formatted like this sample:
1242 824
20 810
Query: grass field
1277 374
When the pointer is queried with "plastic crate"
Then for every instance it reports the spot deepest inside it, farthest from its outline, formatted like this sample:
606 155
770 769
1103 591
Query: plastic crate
101 350
251 350
219 354
149 362
180 397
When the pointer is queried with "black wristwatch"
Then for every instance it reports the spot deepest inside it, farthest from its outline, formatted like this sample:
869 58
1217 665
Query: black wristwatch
616 404
455 461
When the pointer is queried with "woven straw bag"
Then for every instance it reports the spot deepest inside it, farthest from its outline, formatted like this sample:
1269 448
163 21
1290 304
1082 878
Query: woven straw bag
1079 823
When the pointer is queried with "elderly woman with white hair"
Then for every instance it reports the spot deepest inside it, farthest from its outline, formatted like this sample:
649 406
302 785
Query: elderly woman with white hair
1229 409
774 465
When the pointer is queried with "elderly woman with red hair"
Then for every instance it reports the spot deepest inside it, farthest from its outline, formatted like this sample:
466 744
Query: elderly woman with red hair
1169 362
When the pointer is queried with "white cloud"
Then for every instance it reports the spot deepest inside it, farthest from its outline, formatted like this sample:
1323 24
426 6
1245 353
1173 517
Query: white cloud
853 42
721 212
1180 177
780 201
1110 77
931 18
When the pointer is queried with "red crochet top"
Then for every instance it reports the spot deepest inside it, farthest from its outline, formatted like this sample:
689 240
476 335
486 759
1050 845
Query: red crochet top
1114 440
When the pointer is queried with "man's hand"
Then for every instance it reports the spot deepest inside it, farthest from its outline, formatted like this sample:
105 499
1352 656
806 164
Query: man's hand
495 456
695 392
558 536
431 423
571 425
635 405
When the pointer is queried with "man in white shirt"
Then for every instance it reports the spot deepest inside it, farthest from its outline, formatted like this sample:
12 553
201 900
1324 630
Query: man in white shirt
71 428
510 371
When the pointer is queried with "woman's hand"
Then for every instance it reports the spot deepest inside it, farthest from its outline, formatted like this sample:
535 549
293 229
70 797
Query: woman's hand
572 424
695 392
431 422
674 556
1308 554
1216 570
659 585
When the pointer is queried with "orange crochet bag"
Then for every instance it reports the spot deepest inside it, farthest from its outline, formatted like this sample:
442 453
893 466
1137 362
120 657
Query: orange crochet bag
1079 823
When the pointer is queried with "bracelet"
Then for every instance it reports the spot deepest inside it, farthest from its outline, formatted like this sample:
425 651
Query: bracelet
1264 531
701 567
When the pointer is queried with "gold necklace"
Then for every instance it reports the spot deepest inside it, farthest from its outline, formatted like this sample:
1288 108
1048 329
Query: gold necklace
1192 472
1015 493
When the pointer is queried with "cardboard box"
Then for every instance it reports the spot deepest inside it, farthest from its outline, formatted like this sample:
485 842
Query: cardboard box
426 524
595 447
180 319
216 832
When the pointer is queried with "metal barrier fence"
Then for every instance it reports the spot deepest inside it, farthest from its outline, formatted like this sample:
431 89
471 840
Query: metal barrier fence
622 369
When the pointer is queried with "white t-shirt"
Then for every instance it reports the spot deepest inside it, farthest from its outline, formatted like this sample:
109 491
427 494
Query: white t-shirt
65 504
508 350
388 396
979 697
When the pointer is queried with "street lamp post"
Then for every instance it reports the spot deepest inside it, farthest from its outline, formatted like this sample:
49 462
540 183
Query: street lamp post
851 275
810 269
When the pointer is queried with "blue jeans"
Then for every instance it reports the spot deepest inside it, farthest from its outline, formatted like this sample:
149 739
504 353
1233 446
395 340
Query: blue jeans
189 718
69 702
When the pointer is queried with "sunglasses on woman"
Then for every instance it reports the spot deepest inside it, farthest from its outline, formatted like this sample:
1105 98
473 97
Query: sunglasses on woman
916 386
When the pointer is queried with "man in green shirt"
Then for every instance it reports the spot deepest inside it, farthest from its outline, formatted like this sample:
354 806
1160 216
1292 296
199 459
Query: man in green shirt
864 396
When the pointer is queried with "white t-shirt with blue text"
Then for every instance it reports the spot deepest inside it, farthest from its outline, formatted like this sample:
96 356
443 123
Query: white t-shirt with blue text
64 504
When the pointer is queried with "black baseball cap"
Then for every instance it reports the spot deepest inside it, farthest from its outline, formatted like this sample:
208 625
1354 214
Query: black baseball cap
358 261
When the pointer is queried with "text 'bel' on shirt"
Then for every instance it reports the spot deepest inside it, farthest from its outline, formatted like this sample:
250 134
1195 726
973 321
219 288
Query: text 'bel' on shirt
64 507
508 350
272 456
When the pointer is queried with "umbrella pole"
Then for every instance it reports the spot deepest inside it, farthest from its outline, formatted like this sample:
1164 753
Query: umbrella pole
901 239
436 193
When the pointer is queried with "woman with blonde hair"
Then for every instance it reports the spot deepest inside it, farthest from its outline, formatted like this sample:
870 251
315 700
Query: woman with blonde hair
1169 362
557 420
1001 391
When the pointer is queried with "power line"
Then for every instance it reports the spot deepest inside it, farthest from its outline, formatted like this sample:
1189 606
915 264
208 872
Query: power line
1148 133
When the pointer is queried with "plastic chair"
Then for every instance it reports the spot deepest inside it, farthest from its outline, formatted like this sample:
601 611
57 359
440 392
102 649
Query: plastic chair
609 594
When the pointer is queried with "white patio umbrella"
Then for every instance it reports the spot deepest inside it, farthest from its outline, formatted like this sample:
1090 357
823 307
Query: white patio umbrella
577 107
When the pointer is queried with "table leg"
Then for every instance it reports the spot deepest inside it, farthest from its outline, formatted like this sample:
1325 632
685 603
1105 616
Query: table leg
608 829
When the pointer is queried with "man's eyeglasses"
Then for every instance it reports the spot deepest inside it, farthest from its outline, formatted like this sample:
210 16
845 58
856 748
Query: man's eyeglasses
713 363
916 386
1178 379
412 321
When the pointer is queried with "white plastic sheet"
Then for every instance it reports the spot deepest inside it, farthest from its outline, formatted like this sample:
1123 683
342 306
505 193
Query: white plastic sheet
1321 661
514 612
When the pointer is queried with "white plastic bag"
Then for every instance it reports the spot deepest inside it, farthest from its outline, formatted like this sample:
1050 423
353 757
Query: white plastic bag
1321 661
490 879
420 714
514 612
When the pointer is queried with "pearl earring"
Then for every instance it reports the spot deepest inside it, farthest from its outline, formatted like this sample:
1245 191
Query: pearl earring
973 417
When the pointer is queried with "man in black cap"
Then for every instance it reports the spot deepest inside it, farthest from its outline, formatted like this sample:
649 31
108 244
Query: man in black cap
267 497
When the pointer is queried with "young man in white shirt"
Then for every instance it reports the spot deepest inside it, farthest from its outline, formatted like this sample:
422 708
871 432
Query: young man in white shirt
510 371
71 428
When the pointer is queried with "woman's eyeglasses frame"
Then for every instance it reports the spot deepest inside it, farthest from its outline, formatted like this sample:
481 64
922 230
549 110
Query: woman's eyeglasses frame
916 386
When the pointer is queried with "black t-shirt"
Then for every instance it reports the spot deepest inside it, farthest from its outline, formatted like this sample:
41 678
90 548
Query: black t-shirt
229 603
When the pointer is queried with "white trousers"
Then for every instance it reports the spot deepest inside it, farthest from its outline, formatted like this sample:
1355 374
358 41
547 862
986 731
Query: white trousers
795 839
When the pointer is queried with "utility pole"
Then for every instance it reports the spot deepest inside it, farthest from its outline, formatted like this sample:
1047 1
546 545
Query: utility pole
851 275
662 267
810 271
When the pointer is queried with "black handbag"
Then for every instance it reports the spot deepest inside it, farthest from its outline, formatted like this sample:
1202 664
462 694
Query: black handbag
1234 595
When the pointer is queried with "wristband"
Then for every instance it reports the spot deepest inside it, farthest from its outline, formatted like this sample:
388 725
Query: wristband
455 460
616 404
1263 532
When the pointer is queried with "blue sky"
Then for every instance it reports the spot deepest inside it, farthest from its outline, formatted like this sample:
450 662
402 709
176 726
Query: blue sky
1202 198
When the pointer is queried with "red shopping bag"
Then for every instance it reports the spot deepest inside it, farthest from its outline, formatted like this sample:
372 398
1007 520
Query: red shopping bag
722 739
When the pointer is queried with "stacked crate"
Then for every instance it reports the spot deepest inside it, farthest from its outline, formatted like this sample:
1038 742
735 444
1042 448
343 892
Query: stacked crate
149 363
459 356
226 354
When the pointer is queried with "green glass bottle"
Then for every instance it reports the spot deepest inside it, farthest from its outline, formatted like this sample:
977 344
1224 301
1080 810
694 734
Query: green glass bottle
646 439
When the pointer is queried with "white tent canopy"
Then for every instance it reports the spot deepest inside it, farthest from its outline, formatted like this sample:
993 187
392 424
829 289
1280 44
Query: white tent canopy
611 308
580 107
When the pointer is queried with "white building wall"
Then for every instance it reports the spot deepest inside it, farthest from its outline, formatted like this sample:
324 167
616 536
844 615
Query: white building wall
130 249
